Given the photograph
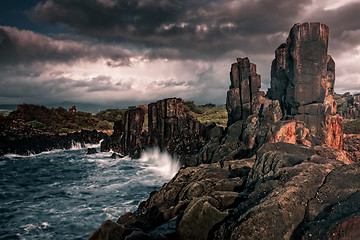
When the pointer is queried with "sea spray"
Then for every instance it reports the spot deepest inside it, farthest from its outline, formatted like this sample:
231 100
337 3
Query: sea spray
160 162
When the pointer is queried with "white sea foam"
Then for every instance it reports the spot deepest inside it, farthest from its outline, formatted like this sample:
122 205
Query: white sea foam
160 162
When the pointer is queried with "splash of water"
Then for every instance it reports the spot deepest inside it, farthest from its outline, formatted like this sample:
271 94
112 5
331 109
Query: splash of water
160 162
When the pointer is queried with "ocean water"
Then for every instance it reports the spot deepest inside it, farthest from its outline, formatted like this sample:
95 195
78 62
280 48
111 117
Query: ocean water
67 194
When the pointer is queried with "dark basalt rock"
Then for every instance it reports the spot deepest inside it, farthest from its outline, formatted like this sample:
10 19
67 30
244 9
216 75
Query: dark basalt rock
245 85
276 172
287 191
91 151
171 127
174 129
302 80
127 137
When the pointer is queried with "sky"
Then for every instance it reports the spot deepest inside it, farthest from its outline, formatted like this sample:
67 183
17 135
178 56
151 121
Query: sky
121 53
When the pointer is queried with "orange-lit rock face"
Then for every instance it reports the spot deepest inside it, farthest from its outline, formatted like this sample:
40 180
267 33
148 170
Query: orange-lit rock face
333 131
302 80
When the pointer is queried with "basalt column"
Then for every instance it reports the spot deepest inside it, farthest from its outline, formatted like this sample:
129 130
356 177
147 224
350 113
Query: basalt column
302 79
245 84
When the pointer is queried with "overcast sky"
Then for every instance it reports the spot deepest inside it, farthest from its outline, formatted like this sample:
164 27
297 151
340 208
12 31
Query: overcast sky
123 52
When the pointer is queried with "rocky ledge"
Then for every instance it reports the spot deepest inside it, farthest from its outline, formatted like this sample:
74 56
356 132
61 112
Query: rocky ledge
282 169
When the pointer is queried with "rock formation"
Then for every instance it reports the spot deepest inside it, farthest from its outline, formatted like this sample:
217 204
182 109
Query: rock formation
127 137
302 80
245 85
287 191
170 127
276 172
173 128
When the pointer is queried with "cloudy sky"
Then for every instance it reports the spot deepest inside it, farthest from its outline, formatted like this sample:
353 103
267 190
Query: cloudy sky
124 52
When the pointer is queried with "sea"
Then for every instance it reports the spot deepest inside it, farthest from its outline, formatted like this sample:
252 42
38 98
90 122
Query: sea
67 194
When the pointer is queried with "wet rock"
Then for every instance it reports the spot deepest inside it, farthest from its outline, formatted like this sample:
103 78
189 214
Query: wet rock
109 230
91 151
173 128
127 138
287 191
115 156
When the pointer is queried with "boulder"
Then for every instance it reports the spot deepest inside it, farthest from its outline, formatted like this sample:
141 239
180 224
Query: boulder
286 191
91 151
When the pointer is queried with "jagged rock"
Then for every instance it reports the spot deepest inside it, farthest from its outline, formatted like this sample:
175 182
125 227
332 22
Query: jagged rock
171 127
291 194
288 191
302 80
109 230
245 84
127 138
300 69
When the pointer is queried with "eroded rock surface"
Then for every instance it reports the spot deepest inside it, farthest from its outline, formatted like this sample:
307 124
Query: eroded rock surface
171 127
286 191
245 84
302 80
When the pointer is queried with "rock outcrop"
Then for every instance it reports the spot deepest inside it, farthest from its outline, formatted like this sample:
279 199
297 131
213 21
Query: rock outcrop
287 191
299 107
276 172
174 129
302 80
171 127
245 85
127 138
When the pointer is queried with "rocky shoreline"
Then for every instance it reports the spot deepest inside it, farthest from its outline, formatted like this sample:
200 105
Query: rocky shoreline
19 137
282 169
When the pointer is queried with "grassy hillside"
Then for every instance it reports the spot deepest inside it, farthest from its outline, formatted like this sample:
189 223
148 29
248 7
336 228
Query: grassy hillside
208 113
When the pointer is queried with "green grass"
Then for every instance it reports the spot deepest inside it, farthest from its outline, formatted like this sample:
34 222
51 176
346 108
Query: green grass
210 113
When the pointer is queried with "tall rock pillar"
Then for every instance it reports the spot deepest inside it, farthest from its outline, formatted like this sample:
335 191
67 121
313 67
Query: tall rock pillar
302 79
245 84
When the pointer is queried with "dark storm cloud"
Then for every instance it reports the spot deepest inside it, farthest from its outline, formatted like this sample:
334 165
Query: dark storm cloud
22 46
24 87
205 28
344 25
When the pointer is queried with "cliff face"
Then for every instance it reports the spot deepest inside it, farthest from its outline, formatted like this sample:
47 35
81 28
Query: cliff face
170 127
